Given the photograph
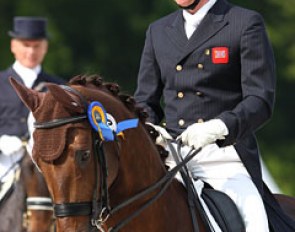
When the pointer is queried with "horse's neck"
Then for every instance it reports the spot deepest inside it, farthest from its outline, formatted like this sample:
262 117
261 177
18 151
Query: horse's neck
140 168
140 164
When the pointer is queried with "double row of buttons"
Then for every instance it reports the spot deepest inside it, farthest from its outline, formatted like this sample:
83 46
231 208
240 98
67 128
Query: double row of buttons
179 67
199 65
181 122
181 94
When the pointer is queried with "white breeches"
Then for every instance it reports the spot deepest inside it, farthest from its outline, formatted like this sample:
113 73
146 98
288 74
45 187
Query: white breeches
224 171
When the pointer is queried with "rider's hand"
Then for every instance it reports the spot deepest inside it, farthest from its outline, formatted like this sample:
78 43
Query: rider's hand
163 134
199 135
10 144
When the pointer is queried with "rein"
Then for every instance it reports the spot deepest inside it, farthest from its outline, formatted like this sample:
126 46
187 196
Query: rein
164 181
100 210
86 208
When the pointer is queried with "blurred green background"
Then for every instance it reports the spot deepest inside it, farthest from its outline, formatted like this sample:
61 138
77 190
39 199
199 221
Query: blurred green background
107 37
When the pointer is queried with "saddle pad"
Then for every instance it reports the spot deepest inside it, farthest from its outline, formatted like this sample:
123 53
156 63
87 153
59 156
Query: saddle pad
224 210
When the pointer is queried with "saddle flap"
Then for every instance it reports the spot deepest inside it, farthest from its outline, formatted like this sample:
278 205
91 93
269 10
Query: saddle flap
224 210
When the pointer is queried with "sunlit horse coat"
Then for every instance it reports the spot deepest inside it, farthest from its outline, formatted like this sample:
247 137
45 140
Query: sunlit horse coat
226 70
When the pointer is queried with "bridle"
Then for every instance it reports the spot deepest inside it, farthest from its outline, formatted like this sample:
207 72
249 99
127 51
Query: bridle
100 209
96 208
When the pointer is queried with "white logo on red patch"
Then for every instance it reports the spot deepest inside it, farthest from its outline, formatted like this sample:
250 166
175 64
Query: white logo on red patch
220 55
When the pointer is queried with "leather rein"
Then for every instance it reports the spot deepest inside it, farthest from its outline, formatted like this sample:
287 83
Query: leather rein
100 209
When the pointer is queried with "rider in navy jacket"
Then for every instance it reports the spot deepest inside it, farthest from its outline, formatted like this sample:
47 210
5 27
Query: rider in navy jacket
225 71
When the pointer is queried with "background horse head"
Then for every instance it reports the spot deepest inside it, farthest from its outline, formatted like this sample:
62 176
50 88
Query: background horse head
25 182
38 216
100 176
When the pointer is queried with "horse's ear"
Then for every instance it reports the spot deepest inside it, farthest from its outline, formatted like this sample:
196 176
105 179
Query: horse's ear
29 97
68 99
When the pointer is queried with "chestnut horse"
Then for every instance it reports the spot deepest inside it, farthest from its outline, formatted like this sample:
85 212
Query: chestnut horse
104 173
102 179
38 216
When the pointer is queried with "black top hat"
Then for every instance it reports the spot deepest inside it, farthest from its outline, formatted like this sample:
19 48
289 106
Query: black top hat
29 28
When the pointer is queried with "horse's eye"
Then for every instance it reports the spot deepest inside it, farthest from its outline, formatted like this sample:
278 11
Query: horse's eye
111 122
85 155
82 156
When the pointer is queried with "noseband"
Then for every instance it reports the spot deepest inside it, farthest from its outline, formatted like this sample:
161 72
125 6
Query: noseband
100 209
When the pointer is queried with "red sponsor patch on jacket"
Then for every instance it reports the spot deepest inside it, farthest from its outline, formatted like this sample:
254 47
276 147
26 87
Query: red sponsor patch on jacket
220 55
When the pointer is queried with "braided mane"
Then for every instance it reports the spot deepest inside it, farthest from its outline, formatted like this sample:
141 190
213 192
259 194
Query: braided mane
113 88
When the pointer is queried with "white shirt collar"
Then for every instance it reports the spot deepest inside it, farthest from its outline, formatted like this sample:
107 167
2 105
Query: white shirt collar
195 19
28 75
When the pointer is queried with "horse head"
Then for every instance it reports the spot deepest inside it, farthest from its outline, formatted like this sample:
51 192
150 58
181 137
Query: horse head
38 216
91 150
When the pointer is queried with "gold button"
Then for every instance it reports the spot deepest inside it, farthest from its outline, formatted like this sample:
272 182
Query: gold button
198 93
180 94
200 120
23 120
207 52
179 67
181 122
200 66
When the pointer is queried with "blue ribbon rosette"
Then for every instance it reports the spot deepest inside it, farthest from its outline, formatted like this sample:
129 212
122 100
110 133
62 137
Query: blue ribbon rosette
98 119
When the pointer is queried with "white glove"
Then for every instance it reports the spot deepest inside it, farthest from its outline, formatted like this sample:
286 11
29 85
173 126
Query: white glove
163 134
10 144
199 135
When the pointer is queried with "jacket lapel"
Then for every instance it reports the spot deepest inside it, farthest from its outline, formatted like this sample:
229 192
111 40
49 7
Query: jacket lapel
12 73
209 26
176 32
213 22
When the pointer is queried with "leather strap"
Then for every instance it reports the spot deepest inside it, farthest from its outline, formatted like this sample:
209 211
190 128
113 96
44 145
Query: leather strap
59 122
72 209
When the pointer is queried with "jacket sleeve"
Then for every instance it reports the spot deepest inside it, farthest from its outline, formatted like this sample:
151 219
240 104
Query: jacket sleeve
257 82
149 85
